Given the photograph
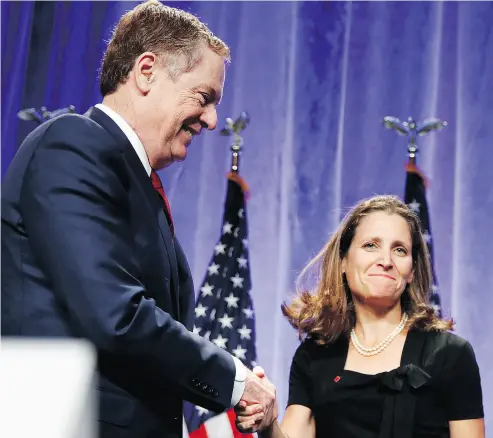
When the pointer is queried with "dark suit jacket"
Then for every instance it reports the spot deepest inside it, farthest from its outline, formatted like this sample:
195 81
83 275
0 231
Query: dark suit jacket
87 252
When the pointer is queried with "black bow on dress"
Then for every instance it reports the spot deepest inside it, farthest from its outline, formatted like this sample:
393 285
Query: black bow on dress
400 400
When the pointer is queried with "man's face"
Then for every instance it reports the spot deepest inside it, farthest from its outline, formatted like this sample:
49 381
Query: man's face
172 112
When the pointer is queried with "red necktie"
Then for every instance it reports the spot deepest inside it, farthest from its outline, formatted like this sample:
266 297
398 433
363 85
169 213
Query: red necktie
156 182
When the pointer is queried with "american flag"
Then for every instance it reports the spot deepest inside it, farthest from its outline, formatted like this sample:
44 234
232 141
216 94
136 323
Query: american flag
224 311
415 198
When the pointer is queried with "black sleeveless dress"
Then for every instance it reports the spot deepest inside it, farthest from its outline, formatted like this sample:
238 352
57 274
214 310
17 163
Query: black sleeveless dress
438 381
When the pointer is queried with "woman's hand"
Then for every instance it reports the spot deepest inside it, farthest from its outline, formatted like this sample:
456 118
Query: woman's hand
249 416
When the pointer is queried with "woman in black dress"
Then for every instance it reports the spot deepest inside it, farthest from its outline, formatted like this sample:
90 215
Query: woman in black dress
376 361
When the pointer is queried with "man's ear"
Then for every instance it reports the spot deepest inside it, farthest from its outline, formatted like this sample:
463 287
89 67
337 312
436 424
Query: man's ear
144 71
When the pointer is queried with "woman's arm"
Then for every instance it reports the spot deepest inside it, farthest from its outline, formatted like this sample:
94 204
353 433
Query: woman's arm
461 391
298 422
467 428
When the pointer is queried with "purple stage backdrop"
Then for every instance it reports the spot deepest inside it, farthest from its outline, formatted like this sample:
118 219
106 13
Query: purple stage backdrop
316 79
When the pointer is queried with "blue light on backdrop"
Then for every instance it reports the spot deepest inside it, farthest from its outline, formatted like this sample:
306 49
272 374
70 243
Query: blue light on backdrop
316 79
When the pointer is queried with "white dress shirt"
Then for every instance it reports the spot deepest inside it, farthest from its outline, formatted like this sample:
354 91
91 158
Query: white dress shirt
239 385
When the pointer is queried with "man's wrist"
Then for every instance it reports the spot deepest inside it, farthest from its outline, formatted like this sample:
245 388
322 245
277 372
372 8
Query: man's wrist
239 383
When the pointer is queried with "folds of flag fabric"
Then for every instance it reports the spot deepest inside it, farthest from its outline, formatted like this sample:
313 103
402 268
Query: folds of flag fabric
224 310
415 198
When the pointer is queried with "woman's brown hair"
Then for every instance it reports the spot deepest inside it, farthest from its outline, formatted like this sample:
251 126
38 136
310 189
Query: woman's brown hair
328 313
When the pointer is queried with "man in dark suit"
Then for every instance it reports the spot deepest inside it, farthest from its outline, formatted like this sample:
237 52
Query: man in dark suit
88 245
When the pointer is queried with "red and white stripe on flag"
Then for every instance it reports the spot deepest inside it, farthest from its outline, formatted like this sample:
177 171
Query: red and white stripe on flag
220 426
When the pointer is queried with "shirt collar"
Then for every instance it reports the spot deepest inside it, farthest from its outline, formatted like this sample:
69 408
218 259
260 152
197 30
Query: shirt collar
129 133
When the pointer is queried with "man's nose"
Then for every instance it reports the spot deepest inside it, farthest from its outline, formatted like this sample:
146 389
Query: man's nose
209 118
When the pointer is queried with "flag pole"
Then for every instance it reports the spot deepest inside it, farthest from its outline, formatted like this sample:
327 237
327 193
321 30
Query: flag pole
415 189
235 128
224 307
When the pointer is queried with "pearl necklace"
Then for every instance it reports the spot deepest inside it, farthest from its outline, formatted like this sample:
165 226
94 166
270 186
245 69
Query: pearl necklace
383 345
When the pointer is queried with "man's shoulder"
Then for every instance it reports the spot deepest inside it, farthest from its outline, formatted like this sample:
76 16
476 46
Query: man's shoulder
76 133
75 128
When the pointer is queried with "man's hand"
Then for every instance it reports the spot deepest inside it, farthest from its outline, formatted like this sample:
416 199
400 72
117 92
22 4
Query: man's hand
257 408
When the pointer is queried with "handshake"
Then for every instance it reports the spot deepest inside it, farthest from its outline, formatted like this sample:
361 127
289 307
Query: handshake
257 409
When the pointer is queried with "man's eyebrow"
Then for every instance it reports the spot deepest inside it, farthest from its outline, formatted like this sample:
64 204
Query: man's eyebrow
215 96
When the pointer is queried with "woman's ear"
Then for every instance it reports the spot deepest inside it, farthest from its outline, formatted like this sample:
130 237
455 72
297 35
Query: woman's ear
411 277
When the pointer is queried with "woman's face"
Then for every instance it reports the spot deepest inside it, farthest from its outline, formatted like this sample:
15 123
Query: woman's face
379 263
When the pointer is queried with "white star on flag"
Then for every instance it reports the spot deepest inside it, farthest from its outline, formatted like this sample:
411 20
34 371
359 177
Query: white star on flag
226 321
196 330
248 313
239 352
245 243
231 300
242 262
237 280
227 228
213 269
202 410
220 341
220 248
200 311
240 212
414 206
434 288
206 289
244 332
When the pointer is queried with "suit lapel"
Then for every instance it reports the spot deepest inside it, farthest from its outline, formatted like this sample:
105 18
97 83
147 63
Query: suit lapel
157 207
150 194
